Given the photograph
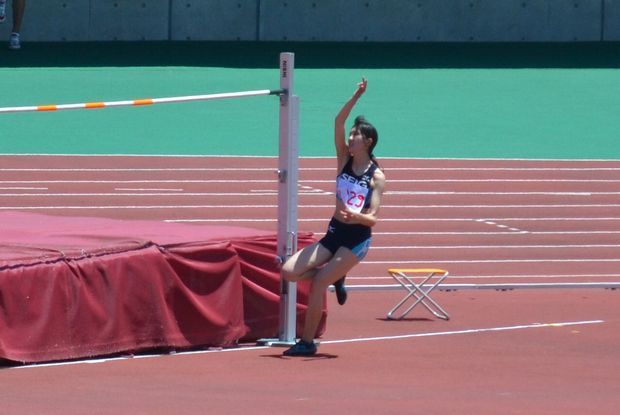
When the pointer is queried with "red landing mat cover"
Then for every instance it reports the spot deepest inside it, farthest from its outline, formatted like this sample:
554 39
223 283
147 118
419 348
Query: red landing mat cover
73 287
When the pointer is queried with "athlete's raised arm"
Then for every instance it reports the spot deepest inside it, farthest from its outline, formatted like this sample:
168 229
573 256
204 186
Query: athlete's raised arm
342 152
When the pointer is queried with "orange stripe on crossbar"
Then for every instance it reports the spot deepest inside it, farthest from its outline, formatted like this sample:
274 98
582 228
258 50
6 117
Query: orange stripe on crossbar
147 101
94 105
47 108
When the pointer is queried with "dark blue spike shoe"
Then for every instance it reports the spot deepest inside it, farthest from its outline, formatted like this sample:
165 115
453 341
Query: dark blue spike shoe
341 291
301 348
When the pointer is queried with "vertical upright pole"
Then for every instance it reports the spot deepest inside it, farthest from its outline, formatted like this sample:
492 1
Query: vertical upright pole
287 194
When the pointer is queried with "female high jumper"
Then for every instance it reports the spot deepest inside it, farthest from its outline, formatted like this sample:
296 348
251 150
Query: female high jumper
359 186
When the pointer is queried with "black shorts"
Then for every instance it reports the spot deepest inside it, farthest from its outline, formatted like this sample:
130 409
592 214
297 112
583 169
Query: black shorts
355 237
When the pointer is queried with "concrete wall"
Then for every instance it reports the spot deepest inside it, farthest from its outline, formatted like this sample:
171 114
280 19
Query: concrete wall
321 20
611 21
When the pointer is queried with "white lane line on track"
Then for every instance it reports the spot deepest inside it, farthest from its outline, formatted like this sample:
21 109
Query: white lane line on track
413 233
511 206
438 193
174 207
510 169
151 169
491 223
254 206
303 191
271 192
467 331
254 169
545 169
493 181
310 181
122 189
251 220
23 188
382 220
326 342
552 219
498 277
131 181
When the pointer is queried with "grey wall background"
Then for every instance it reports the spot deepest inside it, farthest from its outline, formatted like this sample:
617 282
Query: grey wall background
321 20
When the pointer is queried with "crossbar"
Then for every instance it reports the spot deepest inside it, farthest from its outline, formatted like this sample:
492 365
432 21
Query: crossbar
140 102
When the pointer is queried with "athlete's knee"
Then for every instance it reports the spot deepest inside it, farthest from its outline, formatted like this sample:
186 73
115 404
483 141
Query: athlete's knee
287 271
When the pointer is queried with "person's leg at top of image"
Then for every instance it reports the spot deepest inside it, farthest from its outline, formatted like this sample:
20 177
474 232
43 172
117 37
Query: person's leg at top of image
2 11
19 6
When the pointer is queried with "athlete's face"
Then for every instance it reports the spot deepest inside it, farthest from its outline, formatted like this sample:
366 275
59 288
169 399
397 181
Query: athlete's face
357 143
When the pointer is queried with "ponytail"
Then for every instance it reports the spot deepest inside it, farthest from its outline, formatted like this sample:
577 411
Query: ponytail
374 160
368 131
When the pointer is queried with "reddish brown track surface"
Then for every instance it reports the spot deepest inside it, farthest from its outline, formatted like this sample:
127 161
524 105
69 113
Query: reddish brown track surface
534 351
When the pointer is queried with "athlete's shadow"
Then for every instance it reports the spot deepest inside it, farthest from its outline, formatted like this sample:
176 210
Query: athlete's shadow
318 356
405 319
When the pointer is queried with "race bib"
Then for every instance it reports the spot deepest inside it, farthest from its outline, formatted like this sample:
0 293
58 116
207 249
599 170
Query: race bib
351 194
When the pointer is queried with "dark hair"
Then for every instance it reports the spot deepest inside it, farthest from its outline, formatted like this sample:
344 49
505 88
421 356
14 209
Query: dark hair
368 131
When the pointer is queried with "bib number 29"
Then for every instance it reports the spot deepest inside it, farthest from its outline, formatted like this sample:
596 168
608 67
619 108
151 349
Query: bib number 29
355 199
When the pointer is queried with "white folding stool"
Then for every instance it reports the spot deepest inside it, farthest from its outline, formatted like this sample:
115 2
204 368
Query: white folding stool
429 279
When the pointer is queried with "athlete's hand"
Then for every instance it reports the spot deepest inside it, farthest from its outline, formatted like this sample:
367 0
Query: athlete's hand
347 215
361 87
